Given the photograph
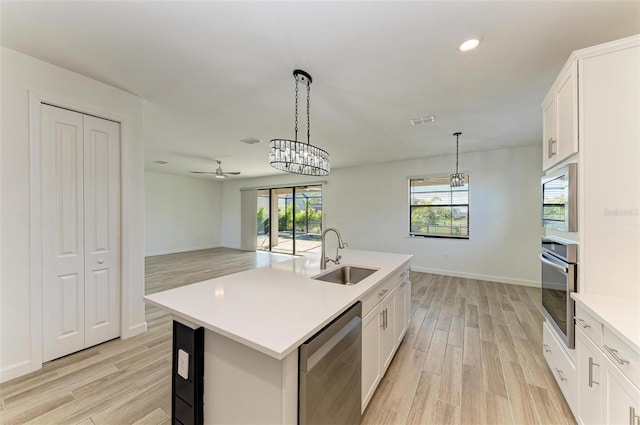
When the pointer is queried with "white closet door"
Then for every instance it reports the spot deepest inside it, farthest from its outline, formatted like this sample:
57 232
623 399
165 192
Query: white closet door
102 229
62 232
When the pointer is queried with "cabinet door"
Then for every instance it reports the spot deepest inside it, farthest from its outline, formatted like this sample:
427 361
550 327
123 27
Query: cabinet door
371 350
567 117
388 338
549 132
589 381
407 302
621 397
401 312
560 120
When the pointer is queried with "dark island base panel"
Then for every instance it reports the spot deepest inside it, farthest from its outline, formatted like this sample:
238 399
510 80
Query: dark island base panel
187 394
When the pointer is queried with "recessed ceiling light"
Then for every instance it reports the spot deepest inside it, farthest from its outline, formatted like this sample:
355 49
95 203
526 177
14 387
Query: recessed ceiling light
469 45
161 162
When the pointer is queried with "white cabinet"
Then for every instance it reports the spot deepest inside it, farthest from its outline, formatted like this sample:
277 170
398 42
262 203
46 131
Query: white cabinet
386 312
621 397
607 365
609 195
589 390
560 363
560 118
371 364
403 308
596 101
388 320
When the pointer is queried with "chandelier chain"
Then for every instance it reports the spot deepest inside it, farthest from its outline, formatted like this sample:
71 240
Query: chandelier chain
296 126
457 135
308 113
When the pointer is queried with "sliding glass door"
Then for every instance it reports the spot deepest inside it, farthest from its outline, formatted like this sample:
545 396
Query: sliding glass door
264 221
290 219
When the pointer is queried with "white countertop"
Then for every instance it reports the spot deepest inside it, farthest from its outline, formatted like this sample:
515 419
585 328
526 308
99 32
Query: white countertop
275 308
620 315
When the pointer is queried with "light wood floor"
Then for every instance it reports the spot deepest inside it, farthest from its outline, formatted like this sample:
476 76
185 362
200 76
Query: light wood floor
471 355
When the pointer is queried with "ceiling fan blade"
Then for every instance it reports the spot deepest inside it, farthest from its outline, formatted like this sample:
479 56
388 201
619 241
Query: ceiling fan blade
203 172
232 173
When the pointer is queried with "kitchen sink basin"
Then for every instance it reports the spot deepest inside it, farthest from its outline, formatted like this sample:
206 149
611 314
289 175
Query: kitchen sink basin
346 275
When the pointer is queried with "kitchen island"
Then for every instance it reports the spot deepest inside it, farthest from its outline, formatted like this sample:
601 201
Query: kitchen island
255 321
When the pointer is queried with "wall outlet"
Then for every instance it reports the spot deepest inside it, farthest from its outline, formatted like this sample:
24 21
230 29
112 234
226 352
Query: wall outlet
183 364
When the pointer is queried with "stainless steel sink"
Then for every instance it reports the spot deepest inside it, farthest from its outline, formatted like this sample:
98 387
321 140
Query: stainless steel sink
346 275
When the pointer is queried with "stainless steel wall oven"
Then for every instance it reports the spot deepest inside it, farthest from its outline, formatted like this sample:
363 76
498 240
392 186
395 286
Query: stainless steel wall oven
559 262
560 199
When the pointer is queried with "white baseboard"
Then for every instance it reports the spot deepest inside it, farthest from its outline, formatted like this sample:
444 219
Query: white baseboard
134 330
500 279
178 250
15 370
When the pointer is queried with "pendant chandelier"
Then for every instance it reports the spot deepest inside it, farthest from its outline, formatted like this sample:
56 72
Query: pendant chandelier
457 179
297 157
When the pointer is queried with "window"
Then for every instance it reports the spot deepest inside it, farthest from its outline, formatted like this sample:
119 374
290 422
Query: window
437 209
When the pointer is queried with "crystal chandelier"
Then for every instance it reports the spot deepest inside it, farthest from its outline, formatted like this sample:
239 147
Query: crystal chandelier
457 179
297 157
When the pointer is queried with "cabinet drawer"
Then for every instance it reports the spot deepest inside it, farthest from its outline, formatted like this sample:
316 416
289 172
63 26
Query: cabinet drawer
384 288
589 325
378 293
561 365
622 355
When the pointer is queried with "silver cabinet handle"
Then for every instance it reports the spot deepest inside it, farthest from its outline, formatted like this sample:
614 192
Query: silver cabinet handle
546 348
384 319
582 323
381 293
614 354
632 416
551 144
591 365
386 323
562 378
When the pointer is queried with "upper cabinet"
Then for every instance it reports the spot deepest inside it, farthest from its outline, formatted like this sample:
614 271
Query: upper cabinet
560 118
596 101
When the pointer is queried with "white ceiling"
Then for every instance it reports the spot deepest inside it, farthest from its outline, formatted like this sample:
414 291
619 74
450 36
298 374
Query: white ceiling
214 73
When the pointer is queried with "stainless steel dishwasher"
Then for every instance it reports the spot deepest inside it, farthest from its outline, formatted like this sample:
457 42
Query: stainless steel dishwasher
330 372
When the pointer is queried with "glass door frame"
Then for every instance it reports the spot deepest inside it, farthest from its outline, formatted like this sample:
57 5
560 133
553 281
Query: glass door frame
294 194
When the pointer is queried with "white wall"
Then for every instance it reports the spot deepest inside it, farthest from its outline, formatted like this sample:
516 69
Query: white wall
20 319
369 205
181 213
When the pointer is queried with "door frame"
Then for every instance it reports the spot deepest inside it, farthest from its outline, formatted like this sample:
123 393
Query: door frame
294 192
36 99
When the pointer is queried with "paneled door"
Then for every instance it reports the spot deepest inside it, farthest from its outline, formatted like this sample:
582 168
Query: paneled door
81 231
102 230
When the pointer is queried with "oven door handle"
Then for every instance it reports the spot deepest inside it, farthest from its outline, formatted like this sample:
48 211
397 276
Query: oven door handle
558 267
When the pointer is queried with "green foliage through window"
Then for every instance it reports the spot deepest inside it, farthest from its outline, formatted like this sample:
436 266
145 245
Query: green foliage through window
437 209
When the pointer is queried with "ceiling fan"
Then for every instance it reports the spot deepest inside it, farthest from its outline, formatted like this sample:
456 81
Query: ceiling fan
218 173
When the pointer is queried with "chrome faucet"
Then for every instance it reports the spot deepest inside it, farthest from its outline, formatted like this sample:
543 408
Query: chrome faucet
341 245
